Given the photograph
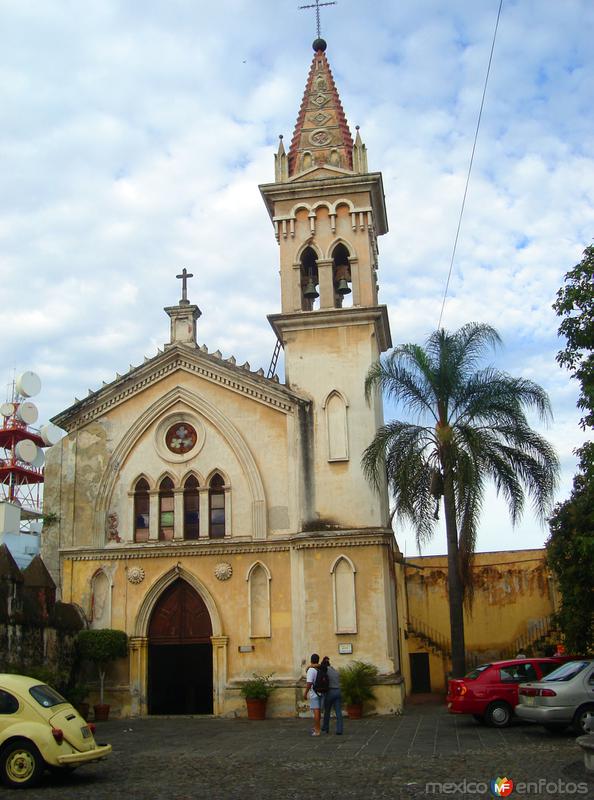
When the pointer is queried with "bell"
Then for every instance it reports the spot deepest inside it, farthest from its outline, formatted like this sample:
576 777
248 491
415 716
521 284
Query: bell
310 291
342 287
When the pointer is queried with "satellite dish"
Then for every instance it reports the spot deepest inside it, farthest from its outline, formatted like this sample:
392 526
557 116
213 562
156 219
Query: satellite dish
28 384
26 450
27 412
51 434
39 459
7 409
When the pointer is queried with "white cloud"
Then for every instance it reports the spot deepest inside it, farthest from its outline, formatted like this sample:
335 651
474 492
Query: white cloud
133 142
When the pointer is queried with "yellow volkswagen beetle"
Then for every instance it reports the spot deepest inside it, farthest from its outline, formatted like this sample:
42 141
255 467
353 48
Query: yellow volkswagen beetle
39 729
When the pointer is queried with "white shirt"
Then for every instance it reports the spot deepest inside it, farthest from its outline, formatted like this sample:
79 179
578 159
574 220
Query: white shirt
311 678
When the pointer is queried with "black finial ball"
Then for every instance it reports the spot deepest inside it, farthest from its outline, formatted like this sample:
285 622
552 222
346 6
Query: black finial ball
319 44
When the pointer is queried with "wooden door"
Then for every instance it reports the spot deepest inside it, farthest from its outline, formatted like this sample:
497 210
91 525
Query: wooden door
180 653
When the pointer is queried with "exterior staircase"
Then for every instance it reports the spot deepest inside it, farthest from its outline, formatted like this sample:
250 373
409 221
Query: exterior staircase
432 639
538 636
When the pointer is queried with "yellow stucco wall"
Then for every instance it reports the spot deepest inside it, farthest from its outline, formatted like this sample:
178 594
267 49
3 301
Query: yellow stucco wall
301 615
513 595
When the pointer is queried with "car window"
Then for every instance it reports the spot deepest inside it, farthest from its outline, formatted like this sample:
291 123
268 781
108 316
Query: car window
516 673
474 673
548 666
8 703
567 671
46 696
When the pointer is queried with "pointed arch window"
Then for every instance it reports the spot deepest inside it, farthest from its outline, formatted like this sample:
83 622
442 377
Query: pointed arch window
100 600
191 508
341 276
166 510
259 601
142 505
216 507
309 279
335 406
345 601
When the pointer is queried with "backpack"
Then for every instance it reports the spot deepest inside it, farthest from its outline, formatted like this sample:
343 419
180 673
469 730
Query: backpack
322 682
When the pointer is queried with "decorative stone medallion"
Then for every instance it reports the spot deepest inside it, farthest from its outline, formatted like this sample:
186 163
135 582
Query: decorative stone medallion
319 100
223 571
321 118
320 137
181 438
136 574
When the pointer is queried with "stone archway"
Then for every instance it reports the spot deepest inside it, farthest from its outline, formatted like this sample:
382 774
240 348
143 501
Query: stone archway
180 658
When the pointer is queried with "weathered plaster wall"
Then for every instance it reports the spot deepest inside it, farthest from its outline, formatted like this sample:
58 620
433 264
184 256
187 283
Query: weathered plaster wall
301 613
512 593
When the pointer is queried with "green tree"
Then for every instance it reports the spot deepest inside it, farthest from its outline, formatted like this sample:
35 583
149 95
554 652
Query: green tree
101 647
575 303
470 427
570 554
570 547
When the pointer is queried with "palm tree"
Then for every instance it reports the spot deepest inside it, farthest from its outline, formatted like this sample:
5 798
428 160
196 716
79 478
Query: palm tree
470 427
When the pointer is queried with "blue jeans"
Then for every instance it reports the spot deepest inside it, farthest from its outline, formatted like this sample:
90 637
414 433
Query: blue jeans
332 698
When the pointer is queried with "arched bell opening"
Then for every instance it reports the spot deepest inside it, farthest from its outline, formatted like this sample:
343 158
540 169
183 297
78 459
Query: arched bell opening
310 297
341 277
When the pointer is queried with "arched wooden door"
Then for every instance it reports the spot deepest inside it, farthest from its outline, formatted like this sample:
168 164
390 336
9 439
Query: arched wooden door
180 653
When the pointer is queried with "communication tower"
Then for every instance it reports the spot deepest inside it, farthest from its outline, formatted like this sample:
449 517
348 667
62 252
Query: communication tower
21 447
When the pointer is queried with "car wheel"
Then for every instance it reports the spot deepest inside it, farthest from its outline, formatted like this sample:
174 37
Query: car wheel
21 765
498 715
579 720
553 727
479 718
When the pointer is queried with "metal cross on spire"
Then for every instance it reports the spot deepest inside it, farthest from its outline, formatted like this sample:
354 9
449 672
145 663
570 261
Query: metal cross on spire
184 279
317 7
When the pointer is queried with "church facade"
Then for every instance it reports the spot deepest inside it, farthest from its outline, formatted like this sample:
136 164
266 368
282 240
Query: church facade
220 517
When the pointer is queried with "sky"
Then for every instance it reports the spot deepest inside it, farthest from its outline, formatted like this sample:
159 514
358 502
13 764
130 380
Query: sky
133 137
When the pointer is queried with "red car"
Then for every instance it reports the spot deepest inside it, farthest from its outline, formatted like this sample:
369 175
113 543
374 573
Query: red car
490 691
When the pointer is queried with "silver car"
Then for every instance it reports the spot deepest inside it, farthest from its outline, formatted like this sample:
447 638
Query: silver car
565 697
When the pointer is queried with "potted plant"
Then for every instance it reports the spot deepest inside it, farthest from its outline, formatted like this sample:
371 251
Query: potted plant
256 692
356 681
101 647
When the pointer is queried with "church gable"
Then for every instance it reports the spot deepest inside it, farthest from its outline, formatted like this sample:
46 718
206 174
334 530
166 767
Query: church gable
186 446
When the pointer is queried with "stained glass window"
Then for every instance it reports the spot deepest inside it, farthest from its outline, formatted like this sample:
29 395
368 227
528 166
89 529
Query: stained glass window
216 496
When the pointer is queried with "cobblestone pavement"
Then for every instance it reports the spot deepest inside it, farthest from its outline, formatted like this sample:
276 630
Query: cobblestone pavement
179 758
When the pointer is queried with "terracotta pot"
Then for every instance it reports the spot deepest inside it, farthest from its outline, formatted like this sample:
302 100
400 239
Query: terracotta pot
256 709
83 710
101 712
355 711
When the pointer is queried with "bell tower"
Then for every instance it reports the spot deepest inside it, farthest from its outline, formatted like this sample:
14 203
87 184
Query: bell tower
328 211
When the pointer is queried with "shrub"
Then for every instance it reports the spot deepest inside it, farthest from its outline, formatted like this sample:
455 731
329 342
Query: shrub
101 647
258 688
356 680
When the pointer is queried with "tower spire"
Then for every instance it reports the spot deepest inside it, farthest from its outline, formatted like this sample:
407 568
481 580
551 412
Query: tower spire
322 136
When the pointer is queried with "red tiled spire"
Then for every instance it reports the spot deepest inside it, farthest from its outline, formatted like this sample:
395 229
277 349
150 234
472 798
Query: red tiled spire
322 134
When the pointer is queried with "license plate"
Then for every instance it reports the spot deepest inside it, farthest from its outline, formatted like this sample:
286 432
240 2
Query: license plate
86 731
529 701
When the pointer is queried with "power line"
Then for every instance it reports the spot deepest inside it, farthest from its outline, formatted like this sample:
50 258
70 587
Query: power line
478 125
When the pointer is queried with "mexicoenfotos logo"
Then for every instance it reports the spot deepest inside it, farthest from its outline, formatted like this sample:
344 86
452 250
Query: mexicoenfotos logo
502 787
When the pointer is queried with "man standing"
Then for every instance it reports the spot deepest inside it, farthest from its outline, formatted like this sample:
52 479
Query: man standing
311 695
332 699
